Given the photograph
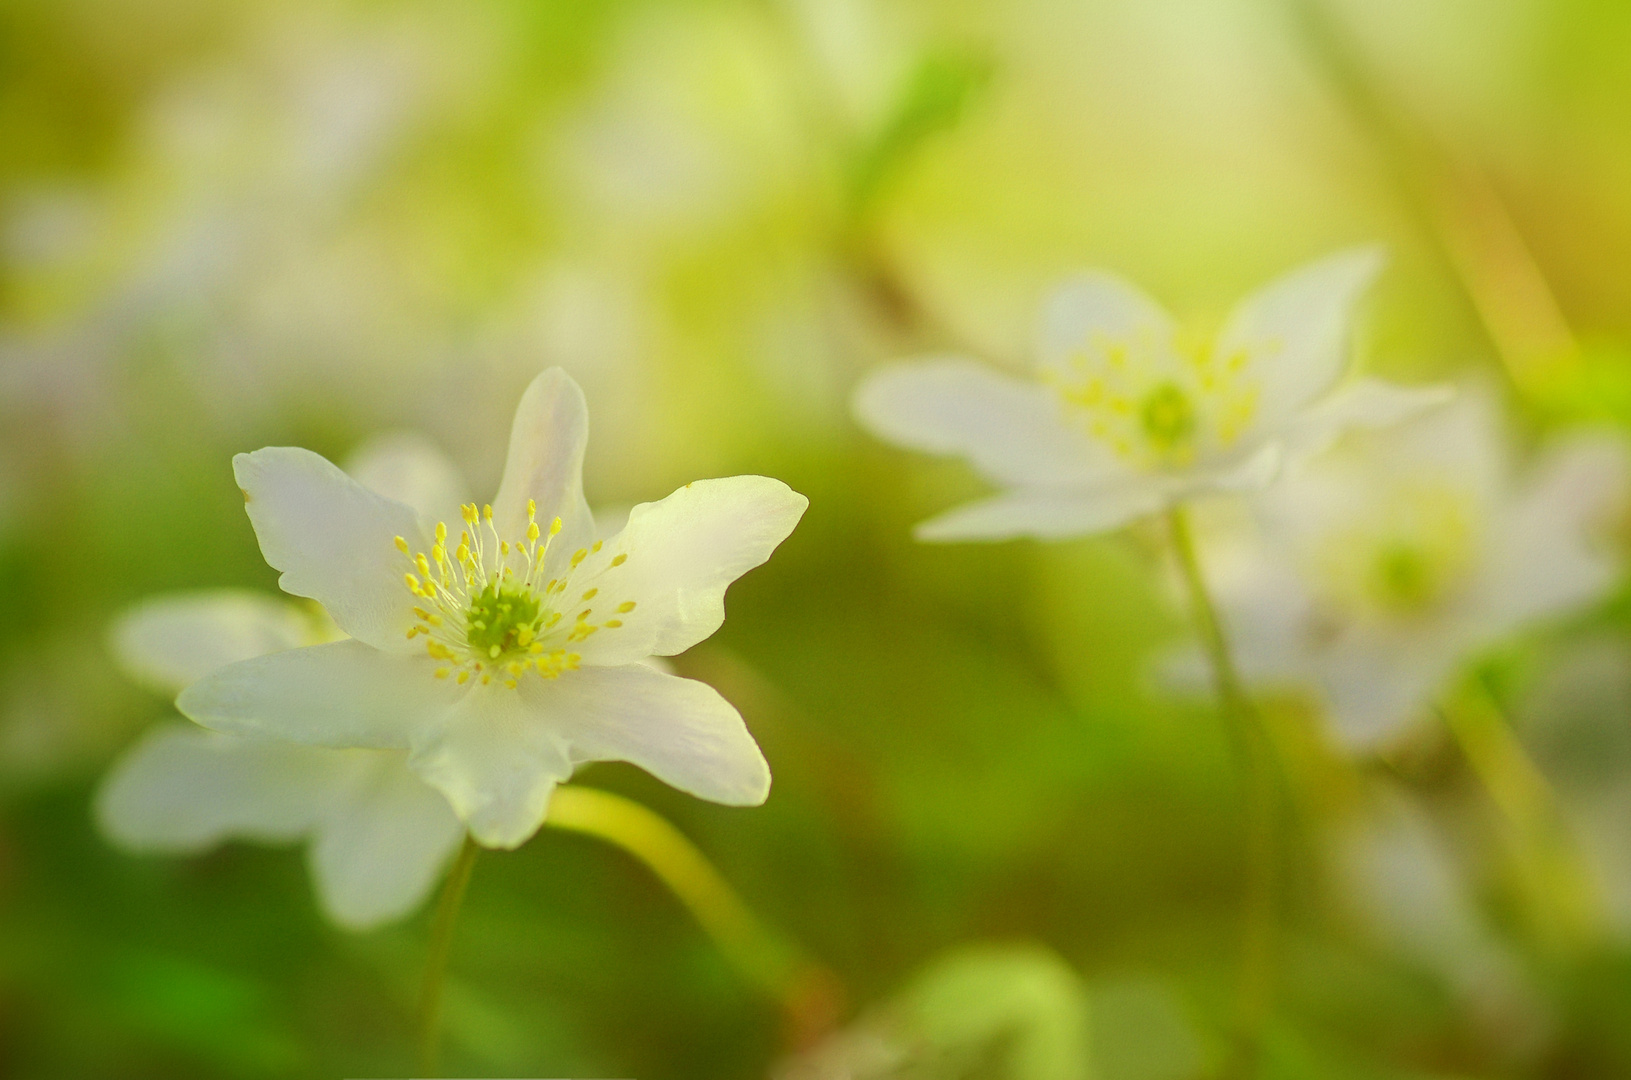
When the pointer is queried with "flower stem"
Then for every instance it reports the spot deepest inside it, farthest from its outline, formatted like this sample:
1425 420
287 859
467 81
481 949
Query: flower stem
441 941
808 992
1546 850
1255 758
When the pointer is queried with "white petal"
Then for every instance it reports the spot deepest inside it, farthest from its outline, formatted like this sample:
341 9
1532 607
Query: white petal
344 694
380 850
1098 306
1375 690
545 464
674 561
1045 514
183 789
1549 551
333 539
1242 473
1013 431
1366 404
412 470
496 762
1294 332
168 641
679 730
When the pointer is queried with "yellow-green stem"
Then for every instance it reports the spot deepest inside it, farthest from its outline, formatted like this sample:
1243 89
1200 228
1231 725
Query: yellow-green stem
1255 759
1546 849
806 990
441 942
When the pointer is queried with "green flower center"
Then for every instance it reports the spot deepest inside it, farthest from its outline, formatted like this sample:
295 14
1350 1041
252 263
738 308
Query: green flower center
501 621
1405 577
1168 417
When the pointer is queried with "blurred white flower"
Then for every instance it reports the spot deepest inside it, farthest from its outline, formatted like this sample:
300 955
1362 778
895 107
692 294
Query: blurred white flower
1400 878
1123 419
1394 558
532 634
379 836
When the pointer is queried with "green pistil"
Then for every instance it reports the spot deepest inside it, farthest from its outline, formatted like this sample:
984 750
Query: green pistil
496 620
1404 577
1168 418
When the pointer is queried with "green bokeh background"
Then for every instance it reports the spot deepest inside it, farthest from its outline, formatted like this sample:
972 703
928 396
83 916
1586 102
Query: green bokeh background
228 225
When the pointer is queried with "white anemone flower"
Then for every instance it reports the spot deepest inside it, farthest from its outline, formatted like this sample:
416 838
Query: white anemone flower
379 835
502 654
1123 419
1393 559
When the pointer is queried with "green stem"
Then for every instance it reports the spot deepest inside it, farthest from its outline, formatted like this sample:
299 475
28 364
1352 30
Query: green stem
441 942
1256 762
806 990
1545 847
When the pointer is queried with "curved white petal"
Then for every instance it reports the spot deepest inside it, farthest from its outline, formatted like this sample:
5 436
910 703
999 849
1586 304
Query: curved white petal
1366 403
545 464
674 561
1013 431
679 730
182 789
1098 307
411 469
168 641
496 762
333 539
1548 553
344 694
1294 332
1045 514
378 852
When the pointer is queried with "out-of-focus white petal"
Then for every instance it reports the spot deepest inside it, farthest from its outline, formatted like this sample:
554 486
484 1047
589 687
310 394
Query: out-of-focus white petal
679 730
1374 690
333 539
1294 331
1252 472
1403 884
181 789
1013 431
1549 553
344 694
674 561
380 849
545 463
1366 403
169 641
497 761
1045 514
411 469
1094 307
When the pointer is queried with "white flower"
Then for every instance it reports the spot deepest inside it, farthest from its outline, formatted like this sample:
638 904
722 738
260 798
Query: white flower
1123 419
1393 559
379 835
504 653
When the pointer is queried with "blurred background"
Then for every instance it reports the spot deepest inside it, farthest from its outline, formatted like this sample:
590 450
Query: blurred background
228 225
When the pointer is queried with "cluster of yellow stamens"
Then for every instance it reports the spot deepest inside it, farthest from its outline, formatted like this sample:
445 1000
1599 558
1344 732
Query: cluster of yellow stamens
1155 404
488 611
